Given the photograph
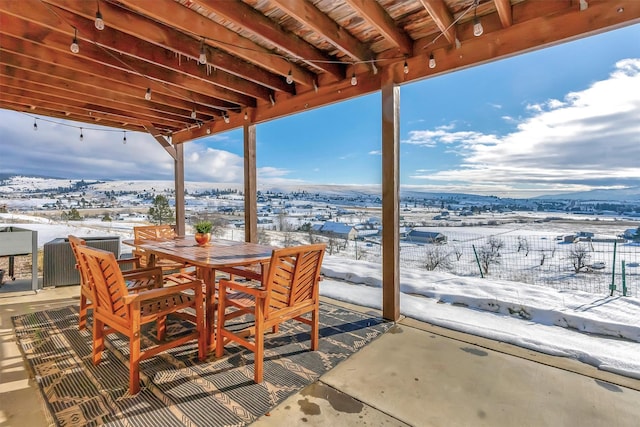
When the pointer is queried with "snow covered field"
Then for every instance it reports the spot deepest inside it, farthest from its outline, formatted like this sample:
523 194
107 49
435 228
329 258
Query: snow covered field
596 329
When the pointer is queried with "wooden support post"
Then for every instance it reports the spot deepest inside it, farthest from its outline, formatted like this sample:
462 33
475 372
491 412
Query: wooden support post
179 187
390 200
250 185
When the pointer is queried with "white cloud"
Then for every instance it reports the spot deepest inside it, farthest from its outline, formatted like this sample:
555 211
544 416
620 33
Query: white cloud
375 152
589 139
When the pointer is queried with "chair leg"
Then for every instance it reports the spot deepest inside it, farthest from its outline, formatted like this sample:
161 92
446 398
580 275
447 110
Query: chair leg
315 326
82 324
98 340
134 361
219 326
258 363
202 333
161 325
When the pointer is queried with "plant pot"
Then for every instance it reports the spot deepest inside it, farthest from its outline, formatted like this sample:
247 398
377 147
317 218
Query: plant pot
202 238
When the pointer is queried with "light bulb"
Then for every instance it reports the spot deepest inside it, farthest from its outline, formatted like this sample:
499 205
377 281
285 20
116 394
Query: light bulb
193 114
75 48
81 135
202 59
354 79
147 94
99 22
289 78
246 116
477 27
432 61
124 138
35 125
226 118
406 67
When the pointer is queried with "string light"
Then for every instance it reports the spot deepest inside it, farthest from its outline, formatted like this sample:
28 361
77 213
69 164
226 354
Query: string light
354 79
81 135
406 66
99 22
477 25
289 77
35 124
75 48
147 95
193 114
124 138
432 61
202 59
225 116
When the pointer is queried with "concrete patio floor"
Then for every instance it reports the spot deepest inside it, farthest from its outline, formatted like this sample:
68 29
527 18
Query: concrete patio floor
414 375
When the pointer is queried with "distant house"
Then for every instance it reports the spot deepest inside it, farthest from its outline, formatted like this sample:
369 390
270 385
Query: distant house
421 236
337 229
584 234
630 233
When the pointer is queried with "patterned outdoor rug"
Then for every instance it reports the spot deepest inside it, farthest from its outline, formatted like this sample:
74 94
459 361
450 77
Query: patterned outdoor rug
178 390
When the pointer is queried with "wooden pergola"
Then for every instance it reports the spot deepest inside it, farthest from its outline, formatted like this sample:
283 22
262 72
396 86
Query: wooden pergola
185 69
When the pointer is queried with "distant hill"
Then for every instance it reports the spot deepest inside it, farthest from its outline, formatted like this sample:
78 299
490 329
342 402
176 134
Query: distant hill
11 183
631 194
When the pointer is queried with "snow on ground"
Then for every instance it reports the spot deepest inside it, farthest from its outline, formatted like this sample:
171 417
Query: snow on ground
598 330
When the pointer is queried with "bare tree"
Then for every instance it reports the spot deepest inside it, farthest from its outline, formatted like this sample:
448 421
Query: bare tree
579 256
285 227
495 244
523 244
436 257
457 251
263 237
217 226
489 254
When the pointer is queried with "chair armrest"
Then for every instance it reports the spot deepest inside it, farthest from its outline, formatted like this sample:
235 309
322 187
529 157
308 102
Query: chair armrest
257 292
162 292
140 273
135 261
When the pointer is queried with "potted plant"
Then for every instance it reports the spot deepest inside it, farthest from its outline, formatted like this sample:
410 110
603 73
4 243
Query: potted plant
203 232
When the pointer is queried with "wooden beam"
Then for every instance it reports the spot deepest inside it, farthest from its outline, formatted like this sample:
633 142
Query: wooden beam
375 15
250 185
504 12
307 14
443 18
390 199
178 169
191 22
251 20
162 140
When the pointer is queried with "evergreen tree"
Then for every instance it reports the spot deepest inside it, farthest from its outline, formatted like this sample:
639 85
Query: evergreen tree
161 212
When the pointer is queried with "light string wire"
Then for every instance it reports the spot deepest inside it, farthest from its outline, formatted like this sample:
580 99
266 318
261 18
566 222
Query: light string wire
288 58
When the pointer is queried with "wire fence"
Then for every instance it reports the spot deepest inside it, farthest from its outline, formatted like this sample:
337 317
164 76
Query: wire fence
583 264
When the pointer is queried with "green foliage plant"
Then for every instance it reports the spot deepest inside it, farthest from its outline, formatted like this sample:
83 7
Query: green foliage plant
203 227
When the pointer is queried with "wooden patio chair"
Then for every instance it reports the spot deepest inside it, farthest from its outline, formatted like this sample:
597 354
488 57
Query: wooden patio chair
117 310
156 232
289 291
136 279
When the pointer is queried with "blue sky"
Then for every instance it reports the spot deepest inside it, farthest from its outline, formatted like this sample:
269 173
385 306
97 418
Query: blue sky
561 119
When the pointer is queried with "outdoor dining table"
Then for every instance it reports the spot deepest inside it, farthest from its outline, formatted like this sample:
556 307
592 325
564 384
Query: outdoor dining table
249 260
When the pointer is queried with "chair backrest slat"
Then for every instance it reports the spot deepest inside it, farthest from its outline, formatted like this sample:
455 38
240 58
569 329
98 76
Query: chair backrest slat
153 232
107 282
293 277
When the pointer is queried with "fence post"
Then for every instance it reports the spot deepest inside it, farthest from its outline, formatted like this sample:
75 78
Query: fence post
624 281
477 261
613 270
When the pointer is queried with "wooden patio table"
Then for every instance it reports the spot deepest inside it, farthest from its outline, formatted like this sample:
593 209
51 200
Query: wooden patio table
228 256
